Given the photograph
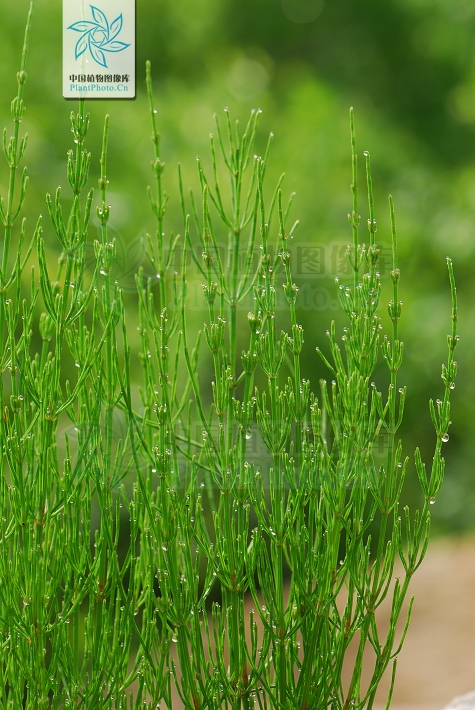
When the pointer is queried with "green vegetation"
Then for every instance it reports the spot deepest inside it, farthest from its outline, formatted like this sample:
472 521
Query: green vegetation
232 473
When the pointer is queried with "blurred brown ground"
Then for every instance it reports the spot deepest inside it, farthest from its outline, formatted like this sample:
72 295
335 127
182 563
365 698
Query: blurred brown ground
437 661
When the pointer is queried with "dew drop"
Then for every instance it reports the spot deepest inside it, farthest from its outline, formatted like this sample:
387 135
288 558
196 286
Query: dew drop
445 437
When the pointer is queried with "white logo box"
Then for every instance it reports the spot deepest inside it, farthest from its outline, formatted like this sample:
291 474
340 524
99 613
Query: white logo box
99 49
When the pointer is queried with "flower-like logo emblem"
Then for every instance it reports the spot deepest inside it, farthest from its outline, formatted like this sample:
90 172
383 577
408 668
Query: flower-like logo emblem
98 36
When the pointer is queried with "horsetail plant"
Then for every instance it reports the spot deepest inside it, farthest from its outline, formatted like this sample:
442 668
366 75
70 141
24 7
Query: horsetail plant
308 533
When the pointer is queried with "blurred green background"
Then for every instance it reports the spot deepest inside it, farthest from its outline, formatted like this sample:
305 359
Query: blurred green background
407 67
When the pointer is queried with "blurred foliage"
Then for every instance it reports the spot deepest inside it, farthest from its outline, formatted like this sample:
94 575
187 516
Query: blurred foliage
407 66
